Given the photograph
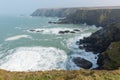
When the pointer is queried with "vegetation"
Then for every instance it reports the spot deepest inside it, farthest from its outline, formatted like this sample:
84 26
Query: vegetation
110 59
62 75
112 56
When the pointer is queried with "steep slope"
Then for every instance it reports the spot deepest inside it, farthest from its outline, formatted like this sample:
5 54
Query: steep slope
55 12
99 16
99 41
106 42
110 59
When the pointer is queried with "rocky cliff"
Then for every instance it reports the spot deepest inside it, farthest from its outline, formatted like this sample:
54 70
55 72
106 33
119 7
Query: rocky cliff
99 16
110 59
106 42
55 12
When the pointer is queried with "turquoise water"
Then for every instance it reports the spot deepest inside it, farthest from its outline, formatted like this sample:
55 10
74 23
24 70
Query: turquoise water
17 42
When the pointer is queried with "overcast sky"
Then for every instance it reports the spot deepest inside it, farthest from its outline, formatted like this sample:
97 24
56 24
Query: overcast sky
28 6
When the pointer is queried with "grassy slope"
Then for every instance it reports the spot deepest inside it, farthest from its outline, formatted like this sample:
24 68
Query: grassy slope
62 75
113 54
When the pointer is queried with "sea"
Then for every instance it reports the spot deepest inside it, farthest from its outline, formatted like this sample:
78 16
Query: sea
32 44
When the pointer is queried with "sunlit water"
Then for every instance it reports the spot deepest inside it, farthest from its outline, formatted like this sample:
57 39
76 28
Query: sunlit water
43 48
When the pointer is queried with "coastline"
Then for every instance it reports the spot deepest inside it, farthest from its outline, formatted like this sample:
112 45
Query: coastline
104 72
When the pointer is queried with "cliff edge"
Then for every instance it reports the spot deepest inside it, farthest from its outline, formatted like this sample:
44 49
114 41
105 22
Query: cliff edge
99 16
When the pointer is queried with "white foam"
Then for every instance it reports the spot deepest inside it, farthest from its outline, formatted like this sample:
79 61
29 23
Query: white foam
17 37
85 55
34 59
18 28
51 30
71 43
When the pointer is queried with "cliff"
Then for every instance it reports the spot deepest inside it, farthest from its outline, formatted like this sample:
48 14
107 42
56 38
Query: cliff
99 16
110 59
99 41
105 42
55 12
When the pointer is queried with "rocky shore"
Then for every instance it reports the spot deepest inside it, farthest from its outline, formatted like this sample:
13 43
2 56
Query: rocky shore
104 41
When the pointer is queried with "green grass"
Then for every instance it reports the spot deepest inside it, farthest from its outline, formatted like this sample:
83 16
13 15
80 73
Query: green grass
62 75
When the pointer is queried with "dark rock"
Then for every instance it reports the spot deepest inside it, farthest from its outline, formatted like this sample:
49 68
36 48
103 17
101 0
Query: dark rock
66 31
32 30
72 32
61 32
99 41
76 30
50 22
110 59
38 31
81 47
80 62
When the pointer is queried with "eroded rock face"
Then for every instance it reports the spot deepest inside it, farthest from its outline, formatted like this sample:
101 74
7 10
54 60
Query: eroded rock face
102 42
98 17
99 41
110 59
80 62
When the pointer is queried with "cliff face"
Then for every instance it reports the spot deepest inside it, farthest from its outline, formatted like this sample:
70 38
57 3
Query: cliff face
99 16
100 41
60 12
106 42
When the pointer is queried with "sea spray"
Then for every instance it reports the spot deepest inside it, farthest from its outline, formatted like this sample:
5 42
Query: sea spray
34 59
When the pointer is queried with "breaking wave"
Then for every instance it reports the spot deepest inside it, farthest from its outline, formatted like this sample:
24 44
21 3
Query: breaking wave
34 59
17 37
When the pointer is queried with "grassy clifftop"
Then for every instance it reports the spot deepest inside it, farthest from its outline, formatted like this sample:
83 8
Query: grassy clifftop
61 75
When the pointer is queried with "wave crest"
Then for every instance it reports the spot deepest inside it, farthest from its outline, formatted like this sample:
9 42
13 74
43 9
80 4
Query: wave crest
34 59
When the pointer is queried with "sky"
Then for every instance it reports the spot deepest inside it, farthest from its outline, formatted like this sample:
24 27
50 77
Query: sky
28 6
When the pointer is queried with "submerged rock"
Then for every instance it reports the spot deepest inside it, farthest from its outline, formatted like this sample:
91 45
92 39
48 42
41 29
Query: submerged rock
76 30
72 32
80 62
61 32
66 31
37 31
32 30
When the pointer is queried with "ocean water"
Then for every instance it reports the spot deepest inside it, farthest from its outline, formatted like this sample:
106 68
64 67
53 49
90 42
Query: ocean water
31 44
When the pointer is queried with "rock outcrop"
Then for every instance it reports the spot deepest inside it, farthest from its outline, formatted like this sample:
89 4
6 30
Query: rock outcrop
99 41
80 62
105 42
110 59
